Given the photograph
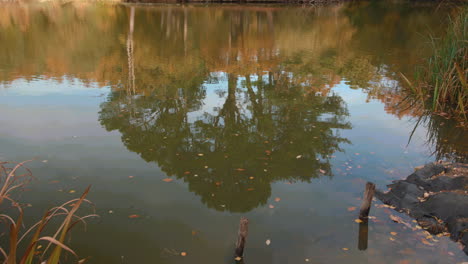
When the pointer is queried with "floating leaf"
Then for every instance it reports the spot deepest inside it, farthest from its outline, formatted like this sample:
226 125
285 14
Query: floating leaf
268 242
358 221
352 208
167 179
425 242
237 258
322 171
134 216
271 206
200 154
277 199
298 156
183 254
250 189
131 177
240 169
393 233
345 249
72 191
187 172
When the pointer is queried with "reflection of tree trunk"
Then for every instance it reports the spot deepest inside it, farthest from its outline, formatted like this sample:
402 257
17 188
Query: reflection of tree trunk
230 112
131 66
185 31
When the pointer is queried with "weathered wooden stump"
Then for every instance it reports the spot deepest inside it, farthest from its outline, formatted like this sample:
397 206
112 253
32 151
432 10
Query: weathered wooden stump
367 201
242 236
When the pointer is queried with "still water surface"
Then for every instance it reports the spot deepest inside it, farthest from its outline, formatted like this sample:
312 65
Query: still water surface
277 113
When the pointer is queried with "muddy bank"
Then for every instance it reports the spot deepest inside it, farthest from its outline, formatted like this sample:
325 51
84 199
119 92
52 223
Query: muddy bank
436 196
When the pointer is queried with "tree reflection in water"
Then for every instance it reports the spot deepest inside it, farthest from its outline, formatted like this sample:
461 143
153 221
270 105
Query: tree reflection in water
263 131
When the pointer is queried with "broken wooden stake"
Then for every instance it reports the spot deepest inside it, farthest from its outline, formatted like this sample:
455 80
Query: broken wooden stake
242 236
367 201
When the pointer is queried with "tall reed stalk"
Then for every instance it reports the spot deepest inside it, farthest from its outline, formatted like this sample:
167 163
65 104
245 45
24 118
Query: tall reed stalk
33 238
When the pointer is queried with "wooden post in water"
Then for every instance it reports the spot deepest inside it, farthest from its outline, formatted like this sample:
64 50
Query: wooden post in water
367 201
242 236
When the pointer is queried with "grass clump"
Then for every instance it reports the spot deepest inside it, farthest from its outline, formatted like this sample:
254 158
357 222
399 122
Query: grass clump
28 246
442 82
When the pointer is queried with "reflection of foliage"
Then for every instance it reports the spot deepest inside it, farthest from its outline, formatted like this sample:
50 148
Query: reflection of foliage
175 48
231 156
359 72
449 141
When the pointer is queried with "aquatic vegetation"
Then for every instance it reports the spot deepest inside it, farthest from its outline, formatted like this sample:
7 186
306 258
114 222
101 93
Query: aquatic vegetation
442 84
41 248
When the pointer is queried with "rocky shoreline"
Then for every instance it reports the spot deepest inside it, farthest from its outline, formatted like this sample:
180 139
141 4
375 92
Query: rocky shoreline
436 196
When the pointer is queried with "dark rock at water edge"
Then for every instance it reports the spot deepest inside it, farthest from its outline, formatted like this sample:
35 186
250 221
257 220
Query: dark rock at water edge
436 195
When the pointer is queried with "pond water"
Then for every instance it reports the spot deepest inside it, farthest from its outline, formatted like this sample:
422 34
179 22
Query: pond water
185 118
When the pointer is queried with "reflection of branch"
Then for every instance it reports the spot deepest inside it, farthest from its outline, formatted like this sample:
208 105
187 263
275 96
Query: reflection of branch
131 66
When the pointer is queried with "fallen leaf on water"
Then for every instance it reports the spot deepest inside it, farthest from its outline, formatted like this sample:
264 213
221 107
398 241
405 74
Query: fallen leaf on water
352 208
187 172
396 219
307 260
72 191
271 206
277 199
268 242
133 216
240 169
238 258
345 249
251 178
131 177
425 242
194 232
393 233
358 221
200 154
391 238
183 254
167 180
322 171
267 152
298 156
250 189
218 183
